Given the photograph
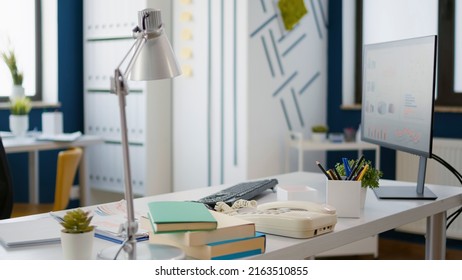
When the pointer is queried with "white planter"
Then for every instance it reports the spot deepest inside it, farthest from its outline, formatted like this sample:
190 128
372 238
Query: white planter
318 136
19 124
77 246
17 92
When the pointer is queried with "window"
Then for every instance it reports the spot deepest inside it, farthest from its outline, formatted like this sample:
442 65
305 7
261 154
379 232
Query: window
448 94
20 30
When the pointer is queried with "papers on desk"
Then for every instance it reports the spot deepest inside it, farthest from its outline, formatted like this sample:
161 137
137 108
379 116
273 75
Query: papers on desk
109 220
6 134
63 137
31 232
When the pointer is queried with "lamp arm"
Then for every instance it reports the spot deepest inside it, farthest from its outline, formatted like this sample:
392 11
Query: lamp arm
120 88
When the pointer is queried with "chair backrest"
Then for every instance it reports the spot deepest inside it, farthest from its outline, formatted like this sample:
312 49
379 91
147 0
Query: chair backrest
6 185
68 163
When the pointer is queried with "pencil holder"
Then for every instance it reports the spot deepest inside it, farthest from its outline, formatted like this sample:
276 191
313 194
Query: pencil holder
345 196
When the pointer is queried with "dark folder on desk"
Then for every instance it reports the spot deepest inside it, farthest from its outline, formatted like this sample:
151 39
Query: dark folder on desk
31 232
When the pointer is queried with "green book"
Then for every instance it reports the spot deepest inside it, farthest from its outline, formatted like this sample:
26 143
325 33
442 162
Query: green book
170 216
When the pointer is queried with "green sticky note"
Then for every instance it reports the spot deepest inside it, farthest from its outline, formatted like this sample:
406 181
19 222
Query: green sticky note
292 11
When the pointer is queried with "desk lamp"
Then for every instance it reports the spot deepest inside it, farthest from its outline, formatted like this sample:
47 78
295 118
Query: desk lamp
152 59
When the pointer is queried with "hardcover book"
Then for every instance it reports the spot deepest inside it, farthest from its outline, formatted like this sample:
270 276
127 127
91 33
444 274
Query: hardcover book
228 227
223 250
171 216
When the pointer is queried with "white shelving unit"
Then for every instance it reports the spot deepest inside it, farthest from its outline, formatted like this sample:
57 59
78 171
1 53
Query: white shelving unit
296 141
108 28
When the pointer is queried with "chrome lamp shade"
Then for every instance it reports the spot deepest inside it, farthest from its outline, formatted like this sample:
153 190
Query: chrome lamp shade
156 61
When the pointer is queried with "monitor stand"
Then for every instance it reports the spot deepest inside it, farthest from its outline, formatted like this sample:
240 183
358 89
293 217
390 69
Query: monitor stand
408 192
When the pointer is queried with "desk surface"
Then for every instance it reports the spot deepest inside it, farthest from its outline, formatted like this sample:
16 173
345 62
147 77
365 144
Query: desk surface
29 144
32 146
377 216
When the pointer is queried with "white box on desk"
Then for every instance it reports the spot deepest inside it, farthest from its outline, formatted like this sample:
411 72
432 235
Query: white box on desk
52 123
345 196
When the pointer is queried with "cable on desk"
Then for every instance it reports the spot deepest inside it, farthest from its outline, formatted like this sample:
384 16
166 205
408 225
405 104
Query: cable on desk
451 218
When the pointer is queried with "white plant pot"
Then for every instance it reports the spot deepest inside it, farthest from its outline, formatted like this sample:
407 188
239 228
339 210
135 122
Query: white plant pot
19 124
77 246
318 136
17 92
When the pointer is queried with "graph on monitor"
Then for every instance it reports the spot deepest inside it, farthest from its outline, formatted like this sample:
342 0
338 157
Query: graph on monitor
398 102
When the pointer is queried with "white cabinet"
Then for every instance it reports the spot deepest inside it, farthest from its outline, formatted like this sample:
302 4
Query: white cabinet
107 37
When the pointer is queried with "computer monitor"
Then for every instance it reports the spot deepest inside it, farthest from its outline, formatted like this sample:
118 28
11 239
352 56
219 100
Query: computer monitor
398 102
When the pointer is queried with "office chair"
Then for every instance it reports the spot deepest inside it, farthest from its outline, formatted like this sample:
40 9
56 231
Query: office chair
6 185
68 163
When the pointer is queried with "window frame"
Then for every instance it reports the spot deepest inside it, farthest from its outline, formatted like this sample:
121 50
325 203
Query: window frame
38 56
446 95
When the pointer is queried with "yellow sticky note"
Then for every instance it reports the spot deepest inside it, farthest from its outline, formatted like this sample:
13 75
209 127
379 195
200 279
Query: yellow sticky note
186 53
186 34
187 70
186 16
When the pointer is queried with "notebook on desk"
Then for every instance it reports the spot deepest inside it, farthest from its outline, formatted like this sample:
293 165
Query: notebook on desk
63 137
32 232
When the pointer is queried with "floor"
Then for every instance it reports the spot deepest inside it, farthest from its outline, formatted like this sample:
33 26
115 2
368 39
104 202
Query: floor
407 249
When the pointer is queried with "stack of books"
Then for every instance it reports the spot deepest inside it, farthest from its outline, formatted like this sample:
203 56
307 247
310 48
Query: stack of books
230 238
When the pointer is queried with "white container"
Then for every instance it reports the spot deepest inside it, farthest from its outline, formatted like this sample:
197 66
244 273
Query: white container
52 123
19 124
298 192
77 246
318 137
17 91
345 196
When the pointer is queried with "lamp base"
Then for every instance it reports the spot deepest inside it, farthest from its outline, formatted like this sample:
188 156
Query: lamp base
144 251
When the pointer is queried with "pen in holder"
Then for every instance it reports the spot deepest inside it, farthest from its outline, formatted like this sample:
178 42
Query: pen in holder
345 196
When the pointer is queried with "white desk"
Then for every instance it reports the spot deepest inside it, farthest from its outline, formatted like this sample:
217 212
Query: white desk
378 216
296 141
32 147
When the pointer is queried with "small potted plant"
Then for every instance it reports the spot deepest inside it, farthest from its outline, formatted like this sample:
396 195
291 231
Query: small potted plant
319 133
19 117
10 60
369 180
77 235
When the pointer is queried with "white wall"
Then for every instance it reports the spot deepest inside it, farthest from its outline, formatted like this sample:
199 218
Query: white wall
245 79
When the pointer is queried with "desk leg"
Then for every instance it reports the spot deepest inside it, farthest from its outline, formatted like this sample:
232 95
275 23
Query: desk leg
435 243
33 177
83 183
377 157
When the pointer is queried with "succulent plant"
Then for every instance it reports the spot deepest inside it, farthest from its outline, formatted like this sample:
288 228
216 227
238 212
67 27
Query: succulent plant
319 128
77 221
371 177
20 106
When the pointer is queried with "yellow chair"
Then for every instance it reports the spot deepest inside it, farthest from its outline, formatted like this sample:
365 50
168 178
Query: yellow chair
68 163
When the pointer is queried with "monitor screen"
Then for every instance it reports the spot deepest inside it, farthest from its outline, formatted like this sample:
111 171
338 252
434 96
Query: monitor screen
397 104
398 94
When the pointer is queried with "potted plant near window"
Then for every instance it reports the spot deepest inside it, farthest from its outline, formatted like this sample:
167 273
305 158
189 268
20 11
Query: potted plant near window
19 117
319 133
77 235
17 90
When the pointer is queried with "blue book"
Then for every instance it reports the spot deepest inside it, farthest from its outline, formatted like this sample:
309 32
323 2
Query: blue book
119 238
224 250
